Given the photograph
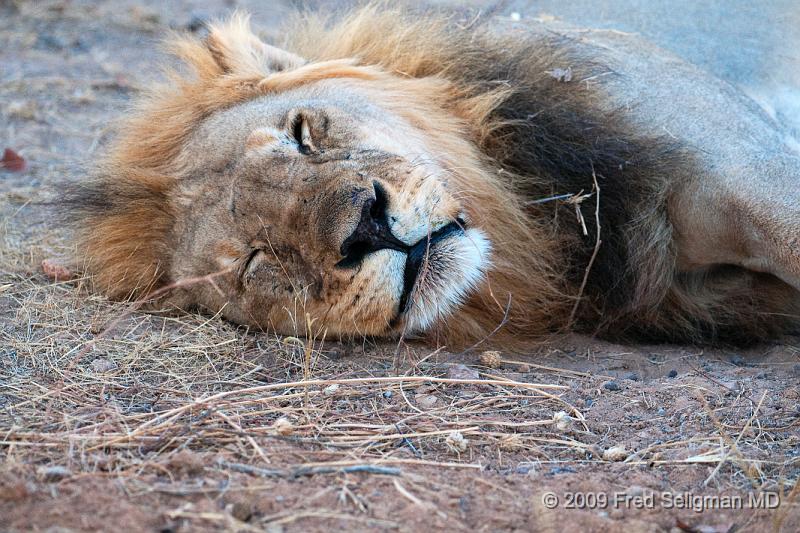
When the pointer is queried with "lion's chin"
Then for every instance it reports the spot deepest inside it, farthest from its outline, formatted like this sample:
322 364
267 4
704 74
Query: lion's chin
454 269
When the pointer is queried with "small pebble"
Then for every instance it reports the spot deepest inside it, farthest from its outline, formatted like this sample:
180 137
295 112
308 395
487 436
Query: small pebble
611 385
615 453
101 365
456 442
672 373
562 420
661 411
387 394
242 511
633 376
426 400
56 270
283 426
491 359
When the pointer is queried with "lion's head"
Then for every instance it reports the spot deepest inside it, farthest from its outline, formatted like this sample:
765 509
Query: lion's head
272 188
325 198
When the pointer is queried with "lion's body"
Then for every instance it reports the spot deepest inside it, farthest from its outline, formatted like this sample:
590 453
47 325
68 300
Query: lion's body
687 182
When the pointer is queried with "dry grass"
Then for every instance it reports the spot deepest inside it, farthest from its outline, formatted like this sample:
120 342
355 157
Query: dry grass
159 385
156 386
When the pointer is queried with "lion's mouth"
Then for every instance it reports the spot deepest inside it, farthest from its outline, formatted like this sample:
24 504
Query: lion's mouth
440 269
418 255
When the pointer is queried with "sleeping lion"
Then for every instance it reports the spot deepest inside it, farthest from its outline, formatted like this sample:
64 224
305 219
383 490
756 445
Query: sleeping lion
390 175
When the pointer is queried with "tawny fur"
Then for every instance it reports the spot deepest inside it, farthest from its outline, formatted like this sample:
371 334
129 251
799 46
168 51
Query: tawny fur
427 69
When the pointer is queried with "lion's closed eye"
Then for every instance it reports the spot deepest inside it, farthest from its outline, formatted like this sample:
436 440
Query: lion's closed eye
250 264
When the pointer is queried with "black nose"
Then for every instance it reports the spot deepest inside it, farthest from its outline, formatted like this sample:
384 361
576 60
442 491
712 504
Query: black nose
372 232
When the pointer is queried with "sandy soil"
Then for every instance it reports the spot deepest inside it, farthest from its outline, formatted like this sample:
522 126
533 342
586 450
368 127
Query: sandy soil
112 419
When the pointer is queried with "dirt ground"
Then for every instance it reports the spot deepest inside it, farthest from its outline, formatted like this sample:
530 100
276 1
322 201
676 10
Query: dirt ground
111 419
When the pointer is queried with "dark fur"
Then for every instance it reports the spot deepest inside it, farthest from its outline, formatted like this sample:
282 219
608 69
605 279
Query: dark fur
553 139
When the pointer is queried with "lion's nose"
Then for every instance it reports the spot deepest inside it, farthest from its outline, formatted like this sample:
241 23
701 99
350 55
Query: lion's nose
372 232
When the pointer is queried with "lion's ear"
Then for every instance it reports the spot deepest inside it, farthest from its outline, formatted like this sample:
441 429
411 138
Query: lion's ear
237 50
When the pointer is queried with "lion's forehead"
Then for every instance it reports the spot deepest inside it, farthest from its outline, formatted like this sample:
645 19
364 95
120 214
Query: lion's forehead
357 117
